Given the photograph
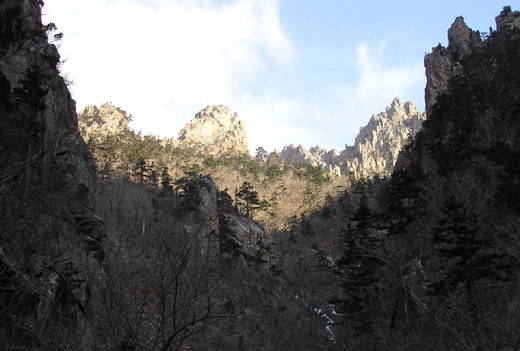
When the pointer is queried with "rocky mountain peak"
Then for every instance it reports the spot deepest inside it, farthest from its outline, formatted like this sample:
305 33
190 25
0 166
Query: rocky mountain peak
105 120
217 130
376 147
378 144
399 112
508 19
461 38
444 63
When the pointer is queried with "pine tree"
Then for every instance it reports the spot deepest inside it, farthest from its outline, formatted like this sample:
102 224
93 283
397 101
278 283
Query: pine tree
166 180
140 171
152 174
469 255
261 154
328 208
358 269
247 198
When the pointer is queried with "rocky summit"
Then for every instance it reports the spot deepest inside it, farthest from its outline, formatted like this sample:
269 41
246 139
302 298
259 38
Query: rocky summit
106 120
376 147
442 63
216 130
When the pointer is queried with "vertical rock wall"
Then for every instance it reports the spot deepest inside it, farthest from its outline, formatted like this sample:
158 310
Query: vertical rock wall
50 240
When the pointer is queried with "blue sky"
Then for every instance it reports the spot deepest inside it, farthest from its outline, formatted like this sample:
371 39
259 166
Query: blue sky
296 71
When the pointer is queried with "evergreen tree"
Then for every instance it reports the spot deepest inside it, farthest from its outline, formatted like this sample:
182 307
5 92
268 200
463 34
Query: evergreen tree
166 180
470 255
140 171
247 198
358 269
328 208
153 179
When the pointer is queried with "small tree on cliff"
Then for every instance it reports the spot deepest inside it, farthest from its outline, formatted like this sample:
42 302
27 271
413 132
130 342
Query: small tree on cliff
247 198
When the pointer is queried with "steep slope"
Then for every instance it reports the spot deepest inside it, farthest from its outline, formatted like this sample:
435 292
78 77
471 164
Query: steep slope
376 147
50 242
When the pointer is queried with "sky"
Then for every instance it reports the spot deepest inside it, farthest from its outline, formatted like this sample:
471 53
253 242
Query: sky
303 72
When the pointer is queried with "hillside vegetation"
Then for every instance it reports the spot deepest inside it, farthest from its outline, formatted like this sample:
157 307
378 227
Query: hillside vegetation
285 191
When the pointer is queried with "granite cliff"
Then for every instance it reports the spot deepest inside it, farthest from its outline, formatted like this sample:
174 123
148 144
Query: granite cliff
215 130
443 63
376 147
50 242
102 121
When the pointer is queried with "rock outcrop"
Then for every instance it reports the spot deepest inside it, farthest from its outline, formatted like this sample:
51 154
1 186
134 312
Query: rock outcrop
378 144
220 228
50 246
507 20
216 130
442 63
330 161
242 238
376 147
106 120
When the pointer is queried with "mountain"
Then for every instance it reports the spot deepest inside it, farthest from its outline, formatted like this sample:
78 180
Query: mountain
376 147
215 130
102 121
132 243
443 64
429 258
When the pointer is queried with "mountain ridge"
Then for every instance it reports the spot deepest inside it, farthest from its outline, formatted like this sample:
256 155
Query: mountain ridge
376 147
216 130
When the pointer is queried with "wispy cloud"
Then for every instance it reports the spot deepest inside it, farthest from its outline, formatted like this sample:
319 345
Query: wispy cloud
332 116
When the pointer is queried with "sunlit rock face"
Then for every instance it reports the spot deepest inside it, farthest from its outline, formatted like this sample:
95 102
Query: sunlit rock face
216 130
102 121
378 144
376 147
316 156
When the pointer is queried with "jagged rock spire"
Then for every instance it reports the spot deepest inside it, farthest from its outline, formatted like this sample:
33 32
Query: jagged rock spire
376 148
444 63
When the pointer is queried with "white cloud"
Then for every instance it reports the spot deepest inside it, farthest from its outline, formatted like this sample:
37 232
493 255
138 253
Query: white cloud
164 60
332 116
378 84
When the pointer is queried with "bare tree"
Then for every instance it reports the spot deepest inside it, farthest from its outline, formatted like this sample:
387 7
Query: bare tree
161 294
